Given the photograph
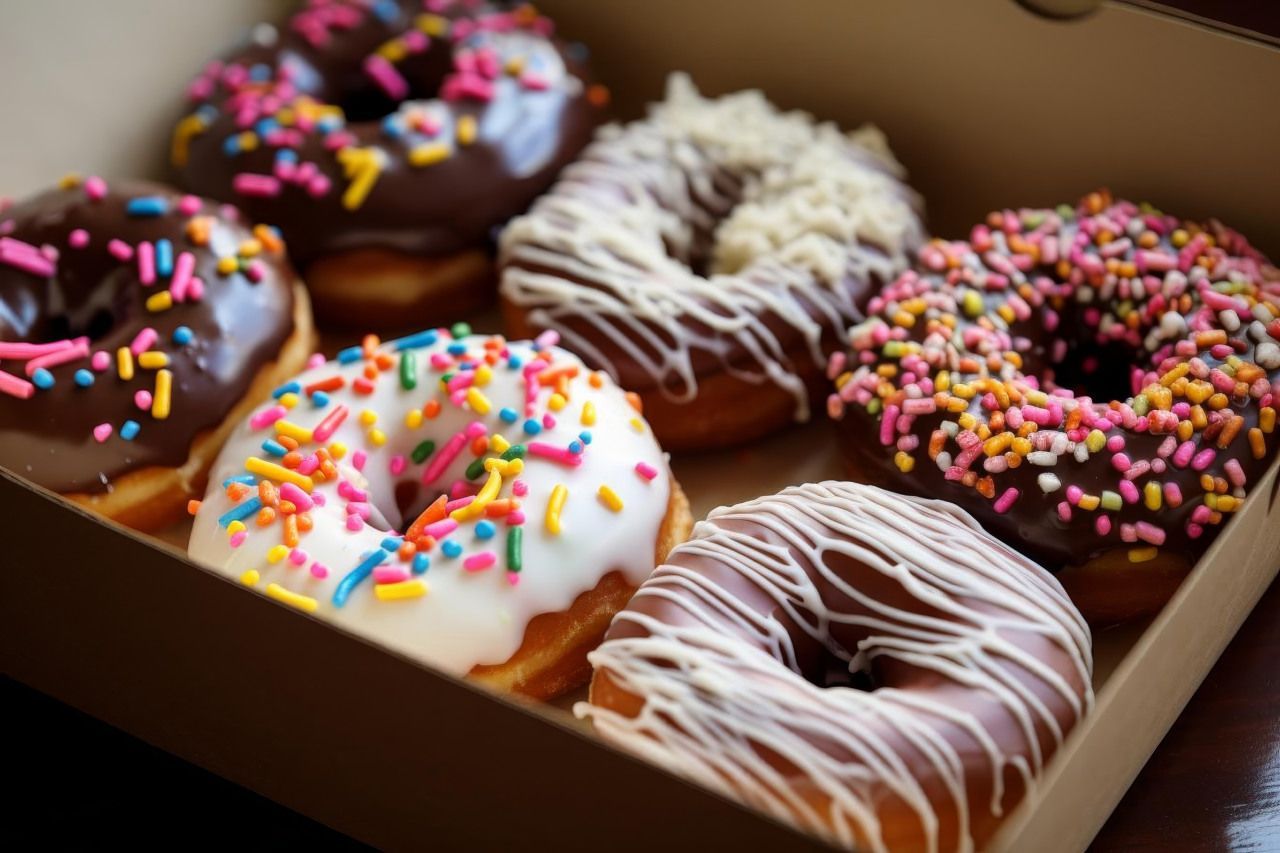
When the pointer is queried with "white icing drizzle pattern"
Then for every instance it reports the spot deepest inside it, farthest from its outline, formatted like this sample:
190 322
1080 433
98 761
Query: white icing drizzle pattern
722 679
813 216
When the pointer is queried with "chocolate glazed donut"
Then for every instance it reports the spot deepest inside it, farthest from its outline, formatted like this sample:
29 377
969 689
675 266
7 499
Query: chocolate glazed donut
870 667
959 386
387 140
135 323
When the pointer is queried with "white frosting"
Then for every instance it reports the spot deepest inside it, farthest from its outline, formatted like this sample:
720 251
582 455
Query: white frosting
608 247
466 618
711 695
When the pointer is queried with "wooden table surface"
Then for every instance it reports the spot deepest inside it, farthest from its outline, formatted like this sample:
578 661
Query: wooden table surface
1214 784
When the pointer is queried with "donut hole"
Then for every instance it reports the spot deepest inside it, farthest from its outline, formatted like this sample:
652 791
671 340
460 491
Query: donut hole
1099 371
363 101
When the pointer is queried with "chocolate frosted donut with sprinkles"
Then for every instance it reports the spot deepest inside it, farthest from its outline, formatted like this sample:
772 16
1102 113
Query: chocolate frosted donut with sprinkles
481 505
137 325
1096 385
710 256
387 139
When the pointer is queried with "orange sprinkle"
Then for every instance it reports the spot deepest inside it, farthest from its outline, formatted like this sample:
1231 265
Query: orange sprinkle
479 445
268 238
268 493
288 442
406 550
430 515
596 379
304 521
636 403
431 408
236 491
291 531
287 507
597 95
1257 443
384 361
371 371
193 506
1204 340
266 515
552 374
500 508
368 344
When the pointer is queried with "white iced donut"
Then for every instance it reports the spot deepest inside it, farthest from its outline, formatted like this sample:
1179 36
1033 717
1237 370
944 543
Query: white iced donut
480 505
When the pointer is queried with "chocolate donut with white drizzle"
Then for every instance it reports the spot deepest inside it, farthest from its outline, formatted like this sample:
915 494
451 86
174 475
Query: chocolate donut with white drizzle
979 666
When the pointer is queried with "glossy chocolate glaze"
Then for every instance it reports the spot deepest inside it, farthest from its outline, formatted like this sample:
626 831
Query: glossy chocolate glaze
525 135
1068 353
238 326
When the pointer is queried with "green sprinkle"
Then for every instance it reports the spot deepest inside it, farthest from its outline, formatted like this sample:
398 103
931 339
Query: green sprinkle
1140 404
873 406
475 469
1111 500
515 560
422 451
460 330
892 349
408 370
515 451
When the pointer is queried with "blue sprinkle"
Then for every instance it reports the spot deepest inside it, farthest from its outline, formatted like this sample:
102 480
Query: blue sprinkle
350 355
231 145
84 378
425 338
265 126
240 511
164 257
391 543
451 548
457 348
575 447
421 562
328 124
42 378
274 447
147 205
260 73
508 414
386 10
207 112
585 435
319 399
129 430
287 388
356 575
247 479
532 427
391 126
286 155
183 336
514 362
484 530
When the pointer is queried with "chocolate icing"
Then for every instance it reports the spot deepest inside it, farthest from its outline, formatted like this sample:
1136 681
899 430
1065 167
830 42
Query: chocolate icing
525 135
238 327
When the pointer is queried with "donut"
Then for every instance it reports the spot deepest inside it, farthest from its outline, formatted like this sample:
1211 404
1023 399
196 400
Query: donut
1097 386
387 140
870 667
710 255
137 326
479 505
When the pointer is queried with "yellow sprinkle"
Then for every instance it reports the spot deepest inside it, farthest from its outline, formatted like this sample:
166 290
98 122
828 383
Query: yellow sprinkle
250 577
1152 495
228 264
1267 419
1142 555
588 413
337 450
249 249
377 437
555 505
1089 503
432 25
152 359
277 553
415 588
124 363
305 603
413 418
289 399
272 471
512 468
514 66
466 130
557 402
637 425
499 444
428 154
997 444
180 146
483 498
478 401
248 140
362 166
300 434
368 417
610 498
69 181
161 301
235 527
161 398
483 374
904 461
1095 441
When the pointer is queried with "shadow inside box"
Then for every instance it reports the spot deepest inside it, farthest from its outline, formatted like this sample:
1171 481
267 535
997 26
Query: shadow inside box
78 783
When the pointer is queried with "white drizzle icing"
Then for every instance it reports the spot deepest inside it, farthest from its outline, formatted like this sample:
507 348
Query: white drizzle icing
721 679
607 248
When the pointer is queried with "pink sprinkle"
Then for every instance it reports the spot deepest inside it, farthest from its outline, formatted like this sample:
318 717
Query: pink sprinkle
1148 532
255 185
1064 511
297 556
78 349
267 417
146 263
319 570
390 574
1203 459
78 238
644 469
143 340
887 422
1103 525
1128 491
513 578
519 488
95 188
548 421
142 399
1006 500
1183 454
101 360
1074 493
237 538
359 508
440 529
515 518
182 271
195 290
315 360
296 496
307 466
398 464
386 76
354 522
188 205
480 562
102 432
358 459
1235 474
442 457
553 453
1121 462
120 250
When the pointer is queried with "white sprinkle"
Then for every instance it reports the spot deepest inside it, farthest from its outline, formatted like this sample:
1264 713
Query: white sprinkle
1049 483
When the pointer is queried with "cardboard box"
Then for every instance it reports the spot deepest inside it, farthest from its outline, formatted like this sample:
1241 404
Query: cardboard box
987 104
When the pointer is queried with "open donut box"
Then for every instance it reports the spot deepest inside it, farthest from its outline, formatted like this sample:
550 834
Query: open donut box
987 104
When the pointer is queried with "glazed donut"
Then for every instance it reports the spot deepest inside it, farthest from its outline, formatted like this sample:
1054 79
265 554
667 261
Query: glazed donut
710 254
387 139
732 666
532 497
995 376
137 325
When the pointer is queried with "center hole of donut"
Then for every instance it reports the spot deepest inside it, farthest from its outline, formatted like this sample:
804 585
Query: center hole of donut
94 324
713 204
835 672
362 100
1100 371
